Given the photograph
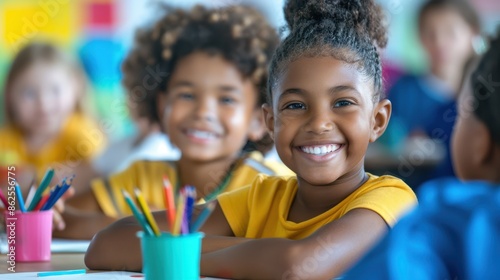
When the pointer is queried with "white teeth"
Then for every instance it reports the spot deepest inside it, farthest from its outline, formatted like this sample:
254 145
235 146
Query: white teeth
320 150
201 134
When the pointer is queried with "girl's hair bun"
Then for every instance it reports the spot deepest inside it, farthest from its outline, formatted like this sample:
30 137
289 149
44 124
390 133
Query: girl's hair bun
365 16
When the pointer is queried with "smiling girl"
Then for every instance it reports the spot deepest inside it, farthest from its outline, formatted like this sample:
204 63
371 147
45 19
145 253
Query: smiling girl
324 106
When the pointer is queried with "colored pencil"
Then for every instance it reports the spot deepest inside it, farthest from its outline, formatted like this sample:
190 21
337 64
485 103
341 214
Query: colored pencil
58 193
42 202
181 205
20 198
136 213
31 194
41 188
203 217
169 202
61 272
3 199
147 213
53 193
191 197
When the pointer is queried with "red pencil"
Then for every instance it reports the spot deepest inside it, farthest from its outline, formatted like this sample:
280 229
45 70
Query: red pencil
42 202
4 200
169 202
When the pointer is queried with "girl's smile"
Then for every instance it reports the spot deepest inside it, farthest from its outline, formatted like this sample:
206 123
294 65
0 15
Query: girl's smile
320 152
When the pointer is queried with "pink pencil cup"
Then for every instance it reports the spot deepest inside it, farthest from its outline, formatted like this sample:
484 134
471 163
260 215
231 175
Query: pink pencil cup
32 234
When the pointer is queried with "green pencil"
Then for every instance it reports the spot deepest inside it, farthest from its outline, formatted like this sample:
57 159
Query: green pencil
137 214
43 185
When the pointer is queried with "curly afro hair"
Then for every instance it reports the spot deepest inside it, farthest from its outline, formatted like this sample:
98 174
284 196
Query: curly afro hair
240 34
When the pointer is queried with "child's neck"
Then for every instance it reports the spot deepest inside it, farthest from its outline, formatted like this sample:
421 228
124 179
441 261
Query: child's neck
36 142
312 201
204 176
451 75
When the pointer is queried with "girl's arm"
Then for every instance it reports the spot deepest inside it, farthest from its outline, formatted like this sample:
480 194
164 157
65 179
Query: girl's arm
106 251
326 253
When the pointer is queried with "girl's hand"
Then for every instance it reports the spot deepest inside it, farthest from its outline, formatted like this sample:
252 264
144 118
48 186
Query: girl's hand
57 221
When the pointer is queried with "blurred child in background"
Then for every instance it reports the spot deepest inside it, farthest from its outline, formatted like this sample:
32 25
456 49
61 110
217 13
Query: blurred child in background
46 125
424 105
453 234
202 73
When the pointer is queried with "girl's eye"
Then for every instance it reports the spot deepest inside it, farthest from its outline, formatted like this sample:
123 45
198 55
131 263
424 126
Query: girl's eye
186 95
227 100
56 90
28 93
343 103
295 106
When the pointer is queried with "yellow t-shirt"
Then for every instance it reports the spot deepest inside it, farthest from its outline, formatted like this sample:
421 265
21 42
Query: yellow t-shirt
79 139
261 210
148 177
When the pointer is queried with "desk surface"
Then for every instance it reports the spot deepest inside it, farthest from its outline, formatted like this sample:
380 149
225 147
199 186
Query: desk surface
63 261
58 262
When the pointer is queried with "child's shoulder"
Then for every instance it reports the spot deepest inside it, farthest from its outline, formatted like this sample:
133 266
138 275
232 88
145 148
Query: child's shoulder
9 133
375 181
456 193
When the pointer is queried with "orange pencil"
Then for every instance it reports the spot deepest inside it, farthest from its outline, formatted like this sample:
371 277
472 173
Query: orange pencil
169 202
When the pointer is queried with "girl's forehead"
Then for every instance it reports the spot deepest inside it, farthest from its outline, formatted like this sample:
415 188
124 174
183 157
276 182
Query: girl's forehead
323 73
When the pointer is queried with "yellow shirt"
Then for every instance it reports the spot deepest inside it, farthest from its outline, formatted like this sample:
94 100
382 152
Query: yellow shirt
261 210
79 139
148 177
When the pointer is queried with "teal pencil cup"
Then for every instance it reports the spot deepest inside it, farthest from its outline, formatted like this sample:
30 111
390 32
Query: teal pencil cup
171 257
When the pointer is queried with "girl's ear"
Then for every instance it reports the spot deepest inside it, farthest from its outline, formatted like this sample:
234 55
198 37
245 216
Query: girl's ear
268 119
381 116
257 129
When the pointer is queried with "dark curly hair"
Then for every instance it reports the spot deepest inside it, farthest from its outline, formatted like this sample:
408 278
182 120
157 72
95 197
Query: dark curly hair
348 30
485 82
240 34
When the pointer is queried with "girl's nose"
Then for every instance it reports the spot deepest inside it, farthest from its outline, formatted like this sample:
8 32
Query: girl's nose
206 109
320 122
44 101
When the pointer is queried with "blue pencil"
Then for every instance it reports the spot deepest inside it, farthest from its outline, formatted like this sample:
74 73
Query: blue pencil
140 218
191 197
202 217
56 195
61 272
20 198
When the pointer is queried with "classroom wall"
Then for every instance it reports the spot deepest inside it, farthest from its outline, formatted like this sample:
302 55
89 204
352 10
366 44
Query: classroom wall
100 32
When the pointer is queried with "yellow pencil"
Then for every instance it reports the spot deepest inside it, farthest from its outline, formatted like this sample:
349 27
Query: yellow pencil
181 204
147 213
